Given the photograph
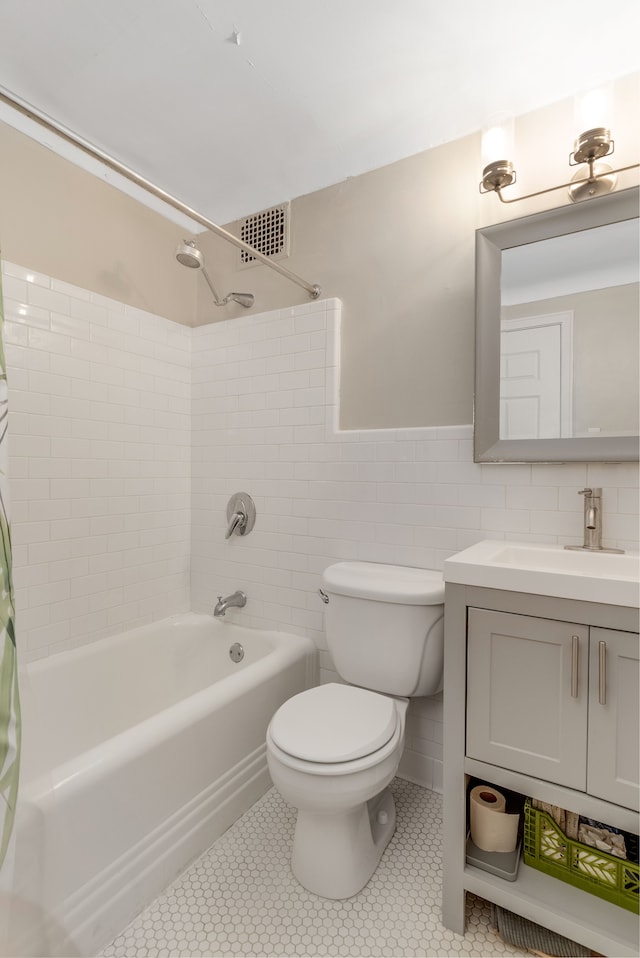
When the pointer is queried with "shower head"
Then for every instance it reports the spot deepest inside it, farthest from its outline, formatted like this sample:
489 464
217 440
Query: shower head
188 254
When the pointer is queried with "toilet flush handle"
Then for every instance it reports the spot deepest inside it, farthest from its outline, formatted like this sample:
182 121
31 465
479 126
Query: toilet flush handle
323 595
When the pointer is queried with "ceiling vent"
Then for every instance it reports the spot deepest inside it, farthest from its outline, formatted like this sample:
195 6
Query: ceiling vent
267 232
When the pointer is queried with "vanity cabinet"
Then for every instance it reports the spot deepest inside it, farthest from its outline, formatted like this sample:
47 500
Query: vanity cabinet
555 700
614 717
540 697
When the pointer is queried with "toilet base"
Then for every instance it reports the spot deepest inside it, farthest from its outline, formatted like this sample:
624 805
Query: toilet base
335 855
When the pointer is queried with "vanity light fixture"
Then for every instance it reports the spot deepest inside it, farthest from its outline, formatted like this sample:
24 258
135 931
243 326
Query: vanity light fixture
590 148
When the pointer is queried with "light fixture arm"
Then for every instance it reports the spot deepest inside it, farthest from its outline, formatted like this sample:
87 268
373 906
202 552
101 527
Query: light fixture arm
592 178
590 147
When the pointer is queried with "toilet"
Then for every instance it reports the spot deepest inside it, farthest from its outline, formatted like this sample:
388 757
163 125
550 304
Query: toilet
333 750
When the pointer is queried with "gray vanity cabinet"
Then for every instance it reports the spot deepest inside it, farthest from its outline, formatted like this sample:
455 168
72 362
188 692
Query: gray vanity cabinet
614 717
540 697
555 700
527 695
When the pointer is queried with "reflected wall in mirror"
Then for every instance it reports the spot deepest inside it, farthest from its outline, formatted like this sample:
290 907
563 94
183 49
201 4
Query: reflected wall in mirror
557 335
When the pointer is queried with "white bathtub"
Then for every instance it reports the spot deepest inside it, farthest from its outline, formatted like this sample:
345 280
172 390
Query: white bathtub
138 752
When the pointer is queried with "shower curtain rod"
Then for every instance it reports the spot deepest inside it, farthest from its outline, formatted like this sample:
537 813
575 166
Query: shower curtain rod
50 124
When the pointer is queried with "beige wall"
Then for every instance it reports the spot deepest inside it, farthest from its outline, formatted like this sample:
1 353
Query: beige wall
395 245
61 220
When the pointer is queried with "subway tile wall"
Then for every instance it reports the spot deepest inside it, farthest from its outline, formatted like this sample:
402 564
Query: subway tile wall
99 417
125 428
265 394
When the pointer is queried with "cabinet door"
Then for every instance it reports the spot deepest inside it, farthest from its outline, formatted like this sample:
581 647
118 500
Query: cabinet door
527 695
614 717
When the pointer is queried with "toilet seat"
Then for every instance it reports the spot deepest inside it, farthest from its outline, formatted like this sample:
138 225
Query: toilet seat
335 769
334 724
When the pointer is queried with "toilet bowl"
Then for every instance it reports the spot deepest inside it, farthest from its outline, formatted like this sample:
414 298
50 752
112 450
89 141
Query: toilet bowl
333 750
346 813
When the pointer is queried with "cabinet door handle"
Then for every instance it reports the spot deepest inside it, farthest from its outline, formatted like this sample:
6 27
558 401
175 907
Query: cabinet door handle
575 650
602 673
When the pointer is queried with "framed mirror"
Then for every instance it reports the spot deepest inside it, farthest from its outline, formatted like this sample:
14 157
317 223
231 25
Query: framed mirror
557 335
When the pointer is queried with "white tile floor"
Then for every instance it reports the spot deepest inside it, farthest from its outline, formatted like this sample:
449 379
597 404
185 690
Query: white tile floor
240 897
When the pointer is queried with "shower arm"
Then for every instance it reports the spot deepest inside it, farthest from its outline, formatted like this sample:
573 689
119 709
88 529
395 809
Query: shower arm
217 300
42 119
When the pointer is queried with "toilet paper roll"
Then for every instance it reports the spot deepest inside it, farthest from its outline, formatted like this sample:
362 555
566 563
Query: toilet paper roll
492 829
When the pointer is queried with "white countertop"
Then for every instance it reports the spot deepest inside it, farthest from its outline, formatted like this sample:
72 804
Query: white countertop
609 578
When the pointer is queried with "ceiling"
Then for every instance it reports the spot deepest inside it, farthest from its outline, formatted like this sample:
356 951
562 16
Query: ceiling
235 105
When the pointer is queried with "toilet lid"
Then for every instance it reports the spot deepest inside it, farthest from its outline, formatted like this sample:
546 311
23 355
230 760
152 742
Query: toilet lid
334 723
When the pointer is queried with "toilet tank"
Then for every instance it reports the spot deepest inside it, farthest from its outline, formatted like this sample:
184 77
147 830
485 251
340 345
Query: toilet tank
385 626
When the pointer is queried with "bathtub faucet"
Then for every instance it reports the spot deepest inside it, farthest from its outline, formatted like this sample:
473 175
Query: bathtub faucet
237 600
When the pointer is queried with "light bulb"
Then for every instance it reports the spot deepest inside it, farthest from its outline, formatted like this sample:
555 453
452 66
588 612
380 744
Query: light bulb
593 109
497 153
497 139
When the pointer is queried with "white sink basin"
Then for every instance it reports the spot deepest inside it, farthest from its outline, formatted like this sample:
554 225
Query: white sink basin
548 570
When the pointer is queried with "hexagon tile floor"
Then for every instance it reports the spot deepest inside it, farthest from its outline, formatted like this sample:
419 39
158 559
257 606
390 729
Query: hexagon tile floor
240 898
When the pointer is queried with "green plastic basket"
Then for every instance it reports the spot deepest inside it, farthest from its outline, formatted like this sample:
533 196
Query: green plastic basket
549 850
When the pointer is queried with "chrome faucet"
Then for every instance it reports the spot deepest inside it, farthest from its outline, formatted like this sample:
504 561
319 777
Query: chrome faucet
592 522
238 600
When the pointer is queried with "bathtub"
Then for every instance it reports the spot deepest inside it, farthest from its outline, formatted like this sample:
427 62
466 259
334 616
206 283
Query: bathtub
139 750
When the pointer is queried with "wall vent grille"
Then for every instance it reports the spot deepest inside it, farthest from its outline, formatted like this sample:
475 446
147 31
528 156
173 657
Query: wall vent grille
267 232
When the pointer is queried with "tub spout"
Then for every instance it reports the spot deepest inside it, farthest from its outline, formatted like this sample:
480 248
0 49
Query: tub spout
238 600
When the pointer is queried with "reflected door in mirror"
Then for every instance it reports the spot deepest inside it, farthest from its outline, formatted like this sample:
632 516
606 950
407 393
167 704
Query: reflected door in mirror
535 377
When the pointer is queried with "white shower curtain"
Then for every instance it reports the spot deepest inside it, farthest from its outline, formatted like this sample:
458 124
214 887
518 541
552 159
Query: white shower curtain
9 699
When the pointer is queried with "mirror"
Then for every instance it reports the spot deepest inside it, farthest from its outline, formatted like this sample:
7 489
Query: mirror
557 335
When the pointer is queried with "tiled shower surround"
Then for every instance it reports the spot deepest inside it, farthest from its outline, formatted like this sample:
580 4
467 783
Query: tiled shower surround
99 414
126 429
